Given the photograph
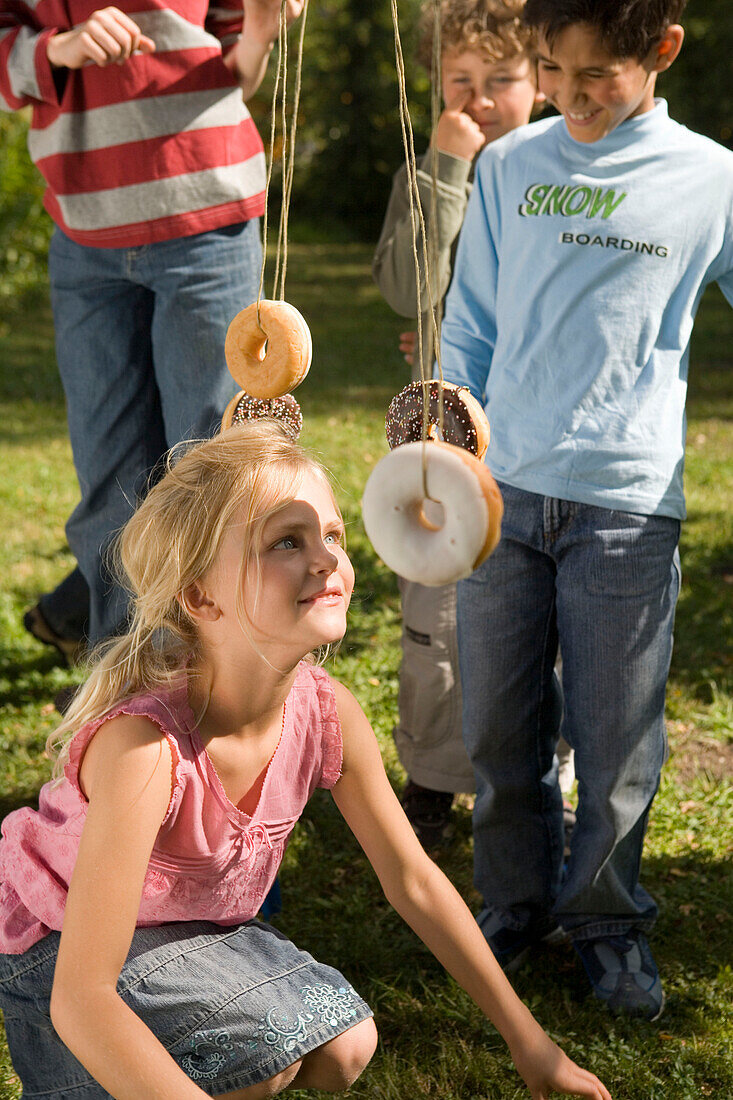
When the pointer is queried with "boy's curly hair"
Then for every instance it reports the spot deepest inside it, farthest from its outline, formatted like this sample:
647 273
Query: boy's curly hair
627 28
494 27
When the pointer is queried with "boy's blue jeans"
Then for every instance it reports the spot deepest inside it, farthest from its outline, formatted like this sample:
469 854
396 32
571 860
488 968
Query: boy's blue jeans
140 347
603 584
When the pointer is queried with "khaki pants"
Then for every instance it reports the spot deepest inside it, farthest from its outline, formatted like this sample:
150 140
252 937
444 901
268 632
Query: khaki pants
428 737
429 733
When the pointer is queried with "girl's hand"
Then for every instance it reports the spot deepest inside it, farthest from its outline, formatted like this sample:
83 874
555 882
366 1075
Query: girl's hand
546 1069
107 36
456 132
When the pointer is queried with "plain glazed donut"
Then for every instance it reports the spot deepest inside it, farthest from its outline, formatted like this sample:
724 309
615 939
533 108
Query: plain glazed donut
464 420
271 360
285 410
420 540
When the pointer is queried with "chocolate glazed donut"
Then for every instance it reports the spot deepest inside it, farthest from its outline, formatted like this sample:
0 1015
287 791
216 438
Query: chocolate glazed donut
464 421
285 410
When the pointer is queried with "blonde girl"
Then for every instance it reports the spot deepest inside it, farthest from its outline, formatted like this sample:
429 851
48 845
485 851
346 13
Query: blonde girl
133 964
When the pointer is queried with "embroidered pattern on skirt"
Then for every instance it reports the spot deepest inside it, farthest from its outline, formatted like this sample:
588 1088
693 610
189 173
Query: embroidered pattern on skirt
280 1031
331 1004
210 1051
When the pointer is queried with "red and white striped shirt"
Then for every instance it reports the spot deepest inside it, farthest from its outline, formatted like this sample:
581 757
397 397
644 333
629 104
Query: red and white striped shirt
159 147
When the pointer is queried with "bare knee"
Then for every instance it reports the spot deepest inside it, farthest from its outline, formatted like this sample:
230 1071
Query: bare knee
337 1064
265 1089
360 1042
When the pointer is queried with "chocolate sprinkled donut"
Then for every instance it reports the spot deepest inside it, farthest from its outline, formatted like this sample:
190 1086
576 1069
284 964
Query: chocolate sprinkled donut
464 421
285 410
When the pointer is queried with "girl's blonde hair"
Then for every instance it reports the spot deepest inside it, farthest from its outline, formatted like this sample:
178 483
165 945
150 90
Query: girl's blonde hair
246 473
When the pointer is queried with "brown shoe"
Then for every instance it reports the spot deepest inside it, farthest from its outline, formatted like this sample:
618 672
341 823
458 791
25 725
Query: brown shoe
429 813
71 649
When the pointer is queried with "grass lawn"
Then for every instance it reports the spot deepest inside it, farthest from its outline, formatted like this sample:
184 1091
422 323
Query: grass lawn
434 1043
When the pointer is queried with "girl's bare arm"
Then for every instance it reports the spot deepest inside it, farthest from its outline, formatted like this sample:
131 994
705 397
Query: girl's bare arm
424 897
126 775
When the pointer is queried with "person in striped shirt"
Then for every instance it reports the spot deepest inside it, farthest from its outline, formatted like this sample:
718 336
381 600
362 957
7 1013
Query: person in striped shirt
154 176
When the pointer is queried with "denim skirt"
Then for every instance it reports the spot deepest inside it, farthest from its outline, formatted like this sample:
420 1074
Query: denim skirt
232 1006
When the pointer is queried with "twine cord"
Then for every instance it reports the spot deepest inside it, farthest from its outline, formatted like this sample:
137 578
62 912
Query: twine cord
289 175
280 89
283 62
433 241
265 218
417 220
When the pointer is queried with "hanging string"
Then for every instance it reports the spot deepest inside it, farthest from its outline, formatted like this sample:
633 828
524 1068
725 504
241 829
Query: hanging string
282 48
433 241
288 175
288 154
265 218
417 221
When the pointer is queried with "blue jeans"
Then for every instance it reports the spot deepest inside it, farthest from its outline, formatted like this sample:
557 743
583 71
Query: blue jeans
603 585
140 347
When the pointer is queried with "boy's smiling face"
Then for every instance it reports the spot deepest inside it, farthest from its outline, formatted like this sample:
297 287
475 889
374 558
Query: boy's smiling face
593 90
497 95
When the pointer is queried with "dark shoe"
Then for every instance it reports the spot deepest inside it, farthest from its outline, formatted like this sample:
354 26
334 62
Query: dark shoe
623 974
429 814
511 946
71 649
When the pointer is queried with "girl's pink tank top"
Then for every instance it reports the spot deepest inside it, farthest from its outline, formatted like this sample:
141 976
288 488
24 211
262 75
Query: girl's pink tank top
210 861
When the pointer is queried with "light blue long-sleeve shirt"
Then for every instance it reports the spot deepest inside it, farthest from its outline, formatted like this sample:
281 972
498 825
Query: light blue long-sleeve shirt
578 274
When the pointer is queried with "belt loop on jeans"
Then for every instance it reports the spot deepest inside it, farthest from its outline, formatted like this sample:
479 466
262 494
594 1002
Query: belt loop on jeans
549 521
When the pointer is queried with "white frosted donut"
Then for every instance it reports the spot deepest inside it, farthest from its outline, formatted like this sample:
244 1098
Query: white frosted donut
269 357
432 543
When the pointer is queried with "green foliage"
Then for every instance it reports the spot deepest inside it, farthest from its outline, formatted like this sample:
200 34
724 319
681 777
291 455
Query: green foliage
698 85
352 98
25 227
349 134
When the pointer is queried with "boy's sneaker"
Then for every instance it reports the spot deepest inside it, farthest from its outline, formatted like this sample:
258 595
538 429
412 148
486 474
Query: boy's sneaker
623 973
511 946
429 814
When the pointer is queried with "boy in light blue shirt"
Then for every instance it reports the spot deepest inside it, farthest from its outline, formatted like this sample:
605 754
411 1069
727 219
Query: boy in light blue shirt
588 242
